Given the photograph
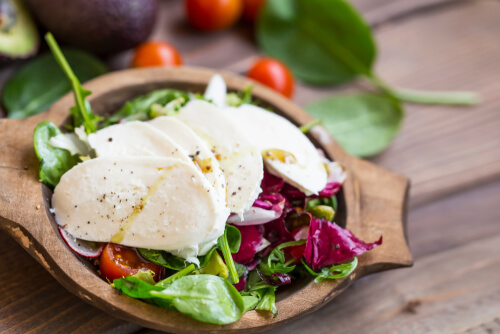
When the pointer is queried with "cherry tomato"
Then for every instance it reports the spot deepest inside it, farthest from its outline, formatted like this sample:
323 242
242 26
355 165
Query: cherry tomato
156 54
252 8
213 15
119 261
273 74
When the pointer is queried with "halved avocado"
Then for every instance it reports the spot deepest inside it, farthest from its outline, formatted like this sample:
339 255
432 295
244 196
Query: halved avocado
18 34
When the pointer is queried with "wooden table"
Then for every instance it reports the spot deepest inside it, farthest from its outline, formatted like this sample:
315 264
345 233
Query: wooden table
452 156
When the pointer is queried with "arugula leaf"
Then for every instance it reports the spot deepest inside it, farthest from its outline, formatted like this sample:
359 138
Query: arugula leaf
363 124
276 259
333 272
40 82
54 161
81 112
141 108
229 243
206 298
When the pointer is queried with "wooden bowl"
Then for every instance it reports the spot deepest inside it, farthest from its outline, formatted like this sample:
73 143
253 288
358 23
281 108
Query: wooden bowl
372 204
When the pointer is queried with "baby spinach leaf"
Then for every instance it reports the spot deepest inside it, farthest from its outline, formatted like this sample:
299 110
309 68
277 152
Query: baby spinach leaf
81 112
363 124
205 298
249 302
323 42
229 243
181 273
135 287
171 261
140 108
40 82
54 161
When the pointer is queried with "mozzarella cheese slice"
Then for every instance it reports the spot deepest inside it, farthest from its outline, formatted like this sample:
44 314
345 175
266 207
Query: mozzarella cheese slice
134 139
196 149
146 202
287 152
240 160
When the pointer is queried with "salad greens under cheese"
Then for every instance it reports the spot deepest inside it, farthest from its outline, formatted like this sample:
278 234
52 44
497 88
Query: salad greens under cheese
200 204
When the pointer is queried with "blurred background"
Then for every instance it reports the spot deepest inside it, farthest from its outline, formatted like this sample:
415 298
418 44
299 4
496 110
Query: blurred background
445 137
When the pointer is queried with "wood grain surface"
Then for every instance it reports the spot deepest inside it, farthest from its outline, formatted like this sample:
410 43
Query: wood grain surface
451 155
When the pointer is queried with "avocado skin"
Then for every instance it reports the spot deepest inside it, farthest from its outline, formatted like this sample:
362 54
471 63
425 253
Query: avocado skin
99 26
15 9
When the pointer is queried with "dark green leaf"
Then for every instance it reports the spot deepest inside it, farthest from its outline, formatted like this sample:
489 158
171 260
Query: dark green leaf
170 261
139 109
205 298
233 238
266 295
363 124
40 82
54 161
229 243
135 287
276 259
322 41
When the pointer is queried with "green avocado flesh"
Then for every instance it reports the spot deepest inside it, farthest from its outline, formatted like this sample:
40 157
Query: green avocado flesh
18 34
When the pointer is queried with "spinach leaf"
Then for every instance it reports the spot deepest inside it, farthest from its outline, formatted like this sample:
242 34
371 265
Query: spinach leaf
336 271
249 302
135 287
165 282
205 298
40 82
54 161
81 112
229 243
171 261
363 124
140 108
322 41
266 295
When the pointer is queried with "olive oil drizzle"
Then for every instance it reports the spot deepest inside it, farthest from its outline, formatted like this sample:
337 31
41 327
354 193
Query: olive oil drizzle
277 154
118 237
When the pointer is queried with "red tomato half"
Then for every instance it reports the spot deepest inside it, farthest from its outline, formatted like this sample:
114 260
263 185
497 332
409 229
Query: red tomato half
156 54
119 261
273 74
213 15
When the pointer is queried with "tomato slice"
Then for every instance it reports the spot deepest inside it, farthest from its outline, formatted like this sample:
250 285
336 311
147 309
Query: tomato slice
119 261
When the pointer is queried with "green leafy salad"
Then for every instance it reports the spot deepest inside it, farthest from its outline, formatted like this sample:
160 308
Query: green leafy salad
202 204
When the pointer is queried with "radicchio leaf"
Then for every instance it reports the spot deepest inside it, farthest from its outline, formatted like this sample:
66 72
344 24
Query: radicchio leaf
251 239
265 209
271 184
327 244
275 279
240 286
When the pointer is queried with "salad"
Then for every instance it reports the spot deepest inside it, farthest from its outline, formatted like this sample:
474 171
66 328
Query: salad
203 204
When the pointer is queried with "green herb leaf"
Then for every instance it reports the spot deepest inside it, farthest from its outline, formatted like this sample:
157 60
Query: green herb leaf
81 112
239 98
323 42
205 298
40 82
322 207
333 272
249 302
276 259
189 269
171 261
141 108
54 161
135 287
266 295
363 124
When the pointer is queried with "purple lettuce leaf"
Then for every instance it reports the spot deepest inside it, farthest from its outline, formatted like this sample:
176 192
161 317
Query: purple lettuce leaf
328 244
265 209
271 184
275 279
251 240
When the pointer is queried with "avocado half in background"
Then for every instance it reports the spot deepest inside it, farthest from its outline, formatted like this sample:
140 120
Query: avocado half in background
18 34
99 26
